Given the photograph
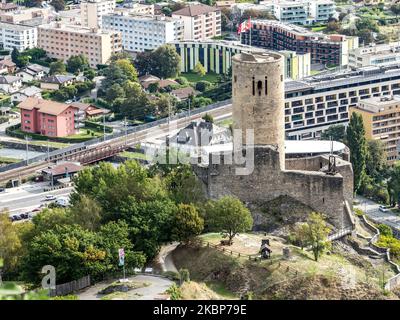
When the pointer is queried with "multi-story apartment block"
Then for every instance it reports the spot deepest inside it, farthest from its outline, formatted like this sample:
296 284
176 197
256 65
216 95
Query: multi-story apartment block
49 118
381 117
6 7
201 22
144 32
63 41
92 12
17 36
375 55
28 16
315 103
303 12
216 56
326 49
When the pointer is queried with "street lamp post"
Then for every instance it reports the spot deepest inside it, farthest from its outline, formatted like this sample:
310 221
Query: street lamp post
104 127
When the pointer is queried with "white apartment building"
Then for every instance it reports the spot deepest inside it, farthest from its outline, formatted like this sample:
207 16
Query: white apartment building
201 22
144 32
292 11
17 36
93 10
315 103
375 55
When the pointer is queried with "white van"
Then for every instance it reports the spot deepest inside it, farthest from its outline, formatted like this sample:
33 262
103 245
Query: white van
62 201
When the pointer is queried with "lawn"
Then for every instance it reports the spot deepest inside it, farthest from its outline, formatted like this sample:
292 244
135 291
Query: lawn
318 29
134 155
194 77
225 123
86 133
7 160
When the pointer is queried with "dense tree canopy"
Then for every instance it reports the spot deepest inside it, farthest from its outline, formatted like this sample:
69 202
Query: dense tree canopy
358 148
77 63
57 67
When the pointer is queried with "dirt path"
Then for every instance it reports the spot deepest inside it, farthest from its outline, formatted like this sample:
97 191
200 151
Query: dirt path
165 257
156 286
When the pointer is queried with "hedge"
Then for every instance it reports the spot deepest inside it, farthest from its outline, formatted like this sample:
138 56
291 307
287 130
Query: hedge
21 135
97 126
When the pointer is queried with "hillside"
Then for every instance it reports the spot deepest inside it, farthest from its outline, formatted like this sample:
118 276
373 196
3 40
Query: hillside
340 274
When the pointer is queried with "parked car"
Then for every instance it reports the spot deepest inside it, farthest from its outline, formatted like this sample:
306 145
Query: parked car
24 216
16 217
2 189
383 209
30 216
49 197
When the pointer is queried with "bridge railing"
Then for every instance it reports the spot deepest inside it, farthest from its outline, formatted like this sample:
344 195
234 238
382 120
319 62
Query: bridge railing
114 135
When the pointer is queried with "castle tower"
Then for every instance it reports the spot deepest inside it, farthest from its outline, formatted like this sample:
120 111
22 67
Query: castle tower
258 99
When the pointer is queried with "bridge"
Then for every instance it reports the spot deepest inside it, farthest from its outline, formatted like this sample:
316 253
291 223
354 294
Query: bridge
105 147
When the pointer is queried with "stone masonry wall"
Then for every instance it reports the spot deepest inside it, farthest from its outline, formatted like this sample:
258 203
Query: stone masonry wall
321 192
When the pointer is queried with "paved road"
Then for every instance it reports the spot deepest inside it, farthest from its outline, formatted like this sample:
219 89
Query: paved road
371 209
165 258
157 286
27 197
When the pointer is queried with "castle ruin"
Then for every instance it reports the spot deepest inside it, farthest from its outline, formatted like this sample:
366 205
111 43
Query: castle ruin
278 189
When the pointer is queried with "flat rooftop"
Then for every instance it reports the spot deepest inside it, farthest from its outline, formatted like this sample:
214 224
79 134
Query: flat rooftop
379 104
343 78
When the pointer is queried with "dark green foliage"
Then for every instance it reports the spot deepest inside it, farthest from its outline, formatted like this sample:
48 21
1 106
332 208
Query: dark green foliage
358 148
336 132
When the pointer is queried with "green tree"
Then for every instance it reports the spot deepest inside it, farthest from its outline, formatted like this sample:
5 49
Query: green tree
15 55
317 233
77 63
57 67
153 87
336 132
87 213
22 61
10 243
114 92
393 184
165 61
229 216
357 144
186 223
89 73
199 69
203 86
376 160
301 235
183 185
208 118
70 249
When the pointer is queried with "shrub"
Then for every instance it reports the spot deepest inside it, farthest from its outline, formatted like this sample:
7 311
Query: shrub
174 292
385 230
203 85
358 212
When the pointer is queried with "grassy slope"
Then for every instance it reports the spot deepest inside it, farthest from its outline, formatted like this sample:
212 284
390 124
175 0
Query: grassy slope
333 277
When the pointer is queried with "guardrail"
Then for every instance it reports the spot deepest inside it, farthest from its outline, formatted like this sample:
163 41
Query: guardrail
84 145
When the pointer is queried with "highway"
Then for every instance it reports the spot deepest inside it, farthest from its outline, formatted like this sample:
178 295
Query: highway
27 197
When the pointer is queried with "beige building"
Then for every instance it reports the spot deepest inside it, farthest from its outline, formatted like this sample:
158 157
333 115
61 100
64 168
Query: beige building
201 22
381 117
93 10
63 41
28 16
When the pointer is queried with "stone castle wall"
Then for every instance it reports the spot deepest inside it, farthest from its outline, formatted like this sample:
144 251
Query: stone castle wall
319 191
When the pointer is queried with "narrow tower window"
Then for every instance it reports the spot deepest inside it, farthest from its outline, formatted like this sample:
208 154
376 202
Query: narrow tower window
254 90
265 86
259 87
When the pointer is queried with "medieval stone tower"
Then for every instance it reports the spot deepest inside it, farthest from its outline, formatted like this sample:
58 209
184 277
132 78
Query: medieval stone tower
277 190
258 99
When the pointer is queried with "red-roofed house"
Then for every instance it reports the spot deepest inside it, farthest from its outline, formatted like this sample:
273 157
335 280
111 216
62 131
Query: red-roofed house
49 118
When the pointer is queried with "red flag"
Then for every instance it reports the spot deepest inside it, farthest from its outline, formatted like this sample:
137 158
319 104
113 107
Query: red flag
244 26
